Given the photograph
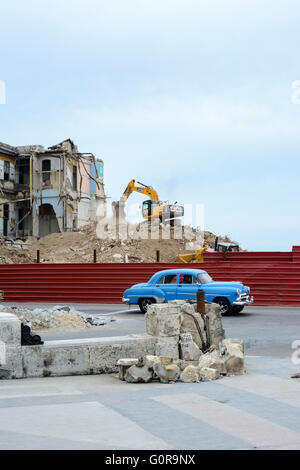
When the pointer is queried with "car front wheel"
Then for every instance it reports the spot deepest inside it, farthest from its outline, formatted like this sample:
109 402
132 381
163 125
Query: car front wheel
225 305
144 304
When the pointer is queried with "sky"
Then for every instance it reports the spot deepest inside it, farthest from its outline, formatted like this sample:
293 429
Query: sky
192 97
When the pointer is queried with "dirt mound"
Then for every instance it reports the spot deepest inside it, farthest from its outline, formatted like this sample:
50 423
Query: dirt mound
79 246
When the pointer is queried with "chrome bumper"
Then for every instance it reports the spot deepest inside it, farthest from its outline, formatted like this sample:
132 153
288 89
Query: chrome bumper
125 301
244 300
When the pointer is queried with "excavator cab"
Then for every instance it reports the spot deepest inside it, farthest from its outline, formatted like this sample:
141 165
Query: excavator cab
149 208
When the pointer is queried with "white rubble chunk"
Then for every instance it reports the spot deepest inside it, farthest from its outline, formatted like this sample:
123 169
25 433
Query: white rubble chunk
124 365
188 348
138 373
167 347
163 320
191 374
213 360
166 372
233 350
207 373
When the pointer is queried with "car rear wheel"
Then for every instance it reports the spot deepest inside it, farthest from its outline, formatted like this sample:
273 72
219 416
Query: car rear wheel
237 308
144 304
225 305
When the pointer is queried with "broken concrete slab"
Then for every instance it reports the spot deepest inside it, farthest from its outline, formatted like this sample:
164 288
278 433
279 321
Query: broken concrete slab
124 365
216 332
213 360
166 372
189 351
137 374
207 373
233 350
190 374
163 320
167 347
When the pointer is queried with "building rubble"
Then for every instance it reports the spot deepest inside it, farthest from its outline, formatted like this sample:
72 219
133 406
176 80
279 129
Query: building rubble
58 316
190 347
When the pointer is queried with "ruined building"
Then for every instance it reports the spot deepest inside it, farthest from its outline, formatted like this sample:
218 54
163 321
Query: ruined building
49 190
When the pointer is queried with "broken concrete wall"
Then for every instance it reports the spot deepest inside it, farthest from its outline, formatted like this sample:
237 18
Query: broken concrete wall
68 357
185 352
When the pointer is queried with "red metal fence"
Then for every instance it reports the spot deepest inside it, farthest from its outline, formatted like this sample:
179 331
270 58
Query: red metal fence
274 278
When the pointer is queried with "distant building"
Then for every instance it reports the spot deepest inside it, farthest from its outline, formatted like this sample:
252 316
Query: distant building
42 191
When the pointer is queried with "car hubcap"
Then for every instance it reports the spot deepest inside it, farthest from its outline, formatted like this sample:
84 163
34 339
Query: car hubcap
145 304
224 307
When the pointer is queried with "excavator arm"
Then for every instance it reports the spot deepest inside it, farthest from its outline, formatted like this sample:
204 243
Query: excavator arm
147 190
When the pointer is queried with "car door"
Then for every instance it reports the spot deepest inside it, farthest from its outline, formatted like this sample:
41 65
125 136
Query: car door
187 287
168 284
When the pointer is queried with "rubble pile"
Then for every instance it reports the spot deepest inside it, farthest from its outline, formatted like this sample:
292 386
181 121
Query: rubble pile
78 246
190 347
55 317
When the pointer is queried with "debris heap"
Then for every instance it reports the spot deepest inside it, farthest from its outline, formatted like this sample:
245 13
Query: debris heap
190 347
79 246
55 317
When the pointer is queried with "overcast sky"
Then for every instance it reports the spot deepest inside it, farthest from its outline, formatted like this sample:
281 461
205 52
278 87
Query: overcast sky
193 97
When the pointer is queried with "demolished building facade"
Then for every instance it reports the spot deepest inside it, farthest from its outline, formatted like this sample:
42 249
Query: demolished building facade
44 191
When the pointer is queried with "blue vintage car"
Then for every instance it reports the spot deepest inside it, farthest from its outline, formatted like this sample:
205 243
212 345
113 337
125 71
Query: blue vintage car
174 284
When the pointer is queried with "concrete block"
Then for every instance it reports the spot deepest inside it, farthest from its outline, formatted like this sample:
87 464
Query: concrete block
66 361
166 373
10 329
32 361
189 351
191 374
216 330
124 365
13 361
137 374
233 350
167 347
213 360
163 320
206 374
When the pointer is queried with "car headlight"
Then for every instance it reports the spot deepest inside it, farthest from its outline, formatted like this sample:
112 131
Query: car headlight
238 291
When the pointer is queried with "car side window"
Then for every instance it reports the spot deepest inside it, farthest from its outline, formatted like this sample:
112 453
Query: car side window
187 279
169 279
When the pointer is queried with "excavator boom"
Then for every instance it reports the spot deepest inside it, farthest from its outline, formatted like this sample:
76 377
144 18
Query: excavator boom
152 208
140 189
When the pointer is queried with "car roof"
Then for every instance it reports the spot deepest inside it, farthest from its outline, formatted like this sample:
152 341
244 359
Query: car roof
177 271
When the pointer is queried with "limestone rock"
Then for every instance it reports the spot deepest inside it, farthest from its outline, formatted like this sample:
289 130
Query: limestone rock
124 365
163 320
190 374
207 373
188 348
166 373
167 347
182 364
233 350
213 360
151 360
188 324
215 326
135 374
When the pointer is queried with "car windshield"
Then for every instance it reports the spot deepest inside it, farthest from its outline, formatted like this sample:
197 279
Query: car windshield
204 278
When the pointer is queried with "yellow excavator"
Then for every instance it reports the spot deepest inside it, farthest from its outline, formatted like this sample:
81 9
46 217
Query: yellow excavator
153 207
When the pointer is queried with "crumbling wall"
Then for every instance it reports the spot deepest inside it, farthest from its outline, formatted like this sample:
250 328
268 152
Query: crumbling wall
66 357
190 347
